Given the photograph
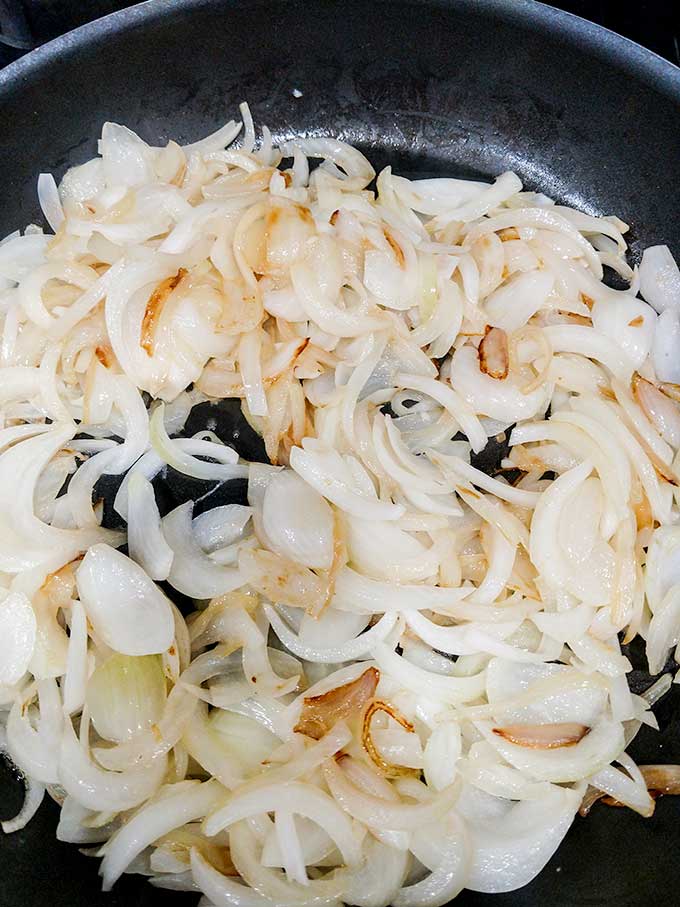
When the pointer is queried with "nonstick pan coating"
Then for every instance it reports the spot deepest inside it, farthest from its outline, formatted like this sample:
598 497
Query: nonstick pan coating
467 87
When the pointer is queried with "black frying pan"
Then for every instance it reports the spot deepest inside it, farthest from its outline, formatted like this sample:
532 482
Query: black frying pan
465 87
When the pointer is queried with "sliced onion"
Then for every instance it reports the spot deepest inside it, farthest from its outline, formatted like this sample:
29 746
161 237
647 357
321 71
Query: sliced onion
624 789
518 299
493 353
442 751
353 649
487 396
368 888
151 746
244 853
422 682
33 798
48 196
221 526
320 713
192 571
363 595
175 453
126 695
463 470
34 752
666 340
327 472
75 824
452 401
446 880
26 540
570 763
127 610
662 412
220 889
378 813
191 802
101 790
664 630
146 542
660 279
303 800
247 742
282 581
298 521
508 851
629 323
75 682
18 629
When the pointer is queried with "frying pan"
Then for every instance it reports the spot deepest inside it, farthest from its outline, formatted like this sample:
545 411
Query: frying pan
465 87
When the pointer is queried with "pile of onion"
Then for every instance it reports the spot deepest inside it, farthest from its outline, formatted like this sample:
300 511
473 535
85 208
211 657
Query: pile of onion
385 674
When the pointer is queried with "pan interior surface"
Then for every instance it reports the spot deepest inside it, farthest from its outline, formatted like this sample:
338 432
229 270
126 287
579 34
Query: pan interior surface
464 88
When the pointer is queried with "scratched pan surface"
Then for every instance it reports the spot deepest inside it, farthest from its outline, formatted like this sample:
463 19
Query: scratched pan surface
471 87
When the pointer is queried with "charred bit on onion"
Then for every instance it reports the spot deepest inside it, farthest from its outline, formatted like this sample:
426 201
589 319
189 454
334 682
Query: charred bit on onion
340 558
396 248
642 390
607 394
661 780
105 355
543 736
672 391
154 307
320 713
388 768
494 359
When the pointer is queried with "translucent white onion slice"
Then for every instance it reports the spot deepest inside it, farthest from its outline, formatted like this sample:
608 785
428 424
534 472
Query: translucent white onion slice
101 790
25 540
660 279
298 521
127 610
18 629
33 797
301 799
146 542
48 196
509 851
379 813
190 802
192 571
327 472
331 654
222 890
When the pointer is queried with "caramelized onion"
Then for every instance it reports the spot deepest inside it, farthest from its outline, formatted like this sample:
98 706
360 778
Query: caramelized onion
320 713
389 769
396 248
154 307
494 359
543 736
659 407
281 580
670 390
661 780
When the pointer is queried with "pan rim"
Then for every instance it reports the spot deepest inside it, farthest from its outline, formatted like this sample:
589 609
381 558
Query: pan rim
628 56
